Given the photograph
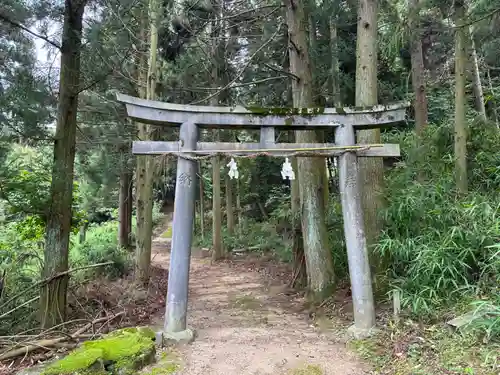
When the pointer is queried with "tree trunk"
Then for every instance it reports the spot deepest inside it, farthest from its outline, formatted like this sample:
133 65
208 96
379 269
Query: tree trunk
130 206
202 201
217 251
238 208
492 94
310 170
124 203
477 87
229 205
460 100
316 89
417 69
371 170
334 66
299 279
141 242
146 175
82 233
299 262
54 293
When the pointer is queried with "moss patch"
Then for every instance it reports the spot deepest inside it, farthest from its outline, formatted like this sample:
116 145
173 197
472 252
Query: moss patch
279 111
167 363
246 302
167 233
307 370
123 351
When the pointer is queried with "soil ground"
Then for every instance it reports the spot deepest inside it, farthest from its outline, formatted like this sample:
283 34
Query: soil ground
249 322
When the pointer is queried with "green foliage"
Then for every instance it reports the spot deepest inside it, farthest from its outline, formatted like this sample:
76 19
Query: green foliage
487 315
26 98
101 245
258 236
435 350
25 179
335 227
443 247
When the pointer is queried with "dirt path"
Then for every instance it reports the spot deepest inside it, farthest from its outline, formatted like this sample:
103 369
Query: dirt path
244 326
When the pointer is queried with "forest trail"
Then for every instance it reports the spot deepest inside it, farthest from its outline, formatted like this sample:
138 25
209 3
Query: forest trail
244 325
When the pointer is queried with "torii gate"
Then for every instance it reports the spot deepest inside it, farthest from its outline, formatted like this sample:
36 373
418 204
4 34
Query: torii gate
190 117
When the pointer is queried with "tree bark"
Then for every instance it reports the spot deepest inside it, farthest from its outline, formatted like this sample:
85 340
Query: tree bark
371 170
82 233
145 200
299 279
492 93
239 214
54 293
417 69
460 100
299 262
334 66
217 251
141 242
316 89
124 202
310 171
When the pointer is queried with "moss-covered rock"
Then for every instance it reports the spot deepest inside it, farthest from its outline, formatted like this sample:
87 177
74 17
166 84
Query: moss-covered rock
121 352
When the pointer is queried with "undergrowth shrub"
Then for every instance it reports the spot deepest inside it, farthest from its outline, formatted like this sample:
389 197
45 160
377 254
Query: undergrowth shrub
21 261
444 248
101 245
256 236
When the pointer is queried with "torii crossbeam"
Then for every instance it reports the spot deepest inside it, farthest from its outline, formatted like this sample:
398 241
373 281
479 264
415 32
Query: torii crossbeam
189 118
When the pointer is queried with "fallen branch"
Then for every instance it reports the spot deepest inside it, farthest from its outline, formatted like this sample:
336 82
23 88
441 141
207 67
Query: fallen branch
48 343
18 307
49 279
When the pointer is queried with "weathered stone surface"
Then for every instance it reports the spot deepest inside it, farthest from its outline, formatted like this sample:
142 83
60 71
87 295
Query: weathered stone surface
179 338
465 319
121 352
35 370
356 333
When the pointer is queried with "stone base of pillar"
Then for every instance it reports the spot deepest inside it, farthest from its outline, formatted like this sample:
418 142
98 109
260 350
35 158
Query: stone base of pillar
176 338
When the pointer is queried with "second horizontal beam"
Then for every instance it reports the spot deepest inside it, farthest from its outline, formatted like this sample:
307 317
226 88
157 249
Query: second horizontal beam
277 149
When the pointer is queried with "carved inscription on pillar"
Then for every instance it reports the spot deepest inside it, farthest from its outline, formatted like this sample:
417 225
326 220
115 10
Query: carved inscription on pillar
185 179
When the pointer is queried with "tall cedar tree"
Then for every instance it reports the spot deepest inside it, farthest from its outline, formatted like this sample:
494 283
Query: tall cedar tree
54 292
318 258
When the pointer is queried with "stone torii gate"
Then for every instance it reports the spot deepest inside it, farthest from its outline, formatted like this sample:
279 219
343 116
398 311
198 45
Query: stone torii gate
189 117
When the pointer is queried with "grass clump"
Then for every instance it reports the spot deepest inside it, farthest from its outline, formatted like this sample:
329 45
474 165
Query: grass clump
443 247
167 233
407 350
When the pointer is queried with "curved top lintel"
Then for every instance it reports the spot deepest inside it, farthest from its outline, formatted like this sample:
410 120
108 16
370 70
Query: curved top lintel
199 109
156 112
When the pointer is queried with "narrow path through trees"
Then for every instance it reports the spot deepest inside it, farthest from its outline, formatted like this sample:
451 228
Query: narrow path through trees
246 326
